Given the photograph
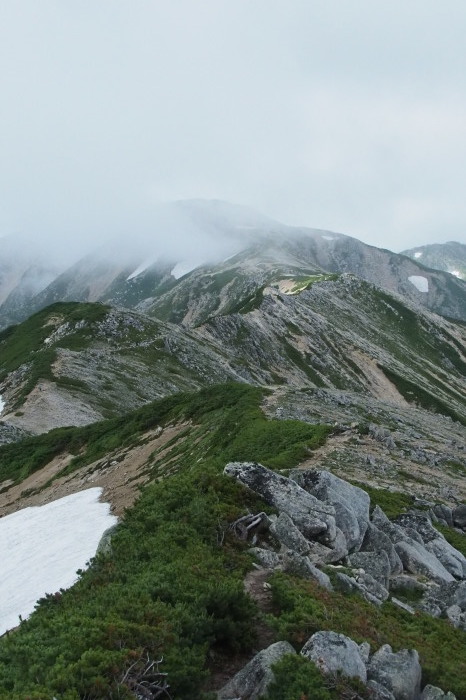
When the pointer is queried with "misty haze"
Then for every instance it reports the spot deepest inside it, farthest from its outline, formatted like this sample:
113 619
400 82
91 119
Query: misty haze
233 350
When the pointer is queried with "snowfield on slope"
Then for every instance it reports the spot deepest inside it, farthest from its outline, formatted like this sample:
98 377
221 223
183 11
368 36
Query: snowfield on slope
41 549
421 283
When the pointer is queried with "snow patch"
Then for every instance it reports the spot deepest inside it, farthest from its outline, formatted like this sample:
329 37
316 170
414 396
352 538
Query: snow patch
329 238
140 269
182 268
42 547
2 404
421 283
457 273
418 253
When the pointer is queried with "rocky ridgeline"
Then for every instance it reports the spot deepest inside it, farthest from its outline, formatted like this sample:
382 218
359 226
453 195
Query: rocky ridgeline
323 527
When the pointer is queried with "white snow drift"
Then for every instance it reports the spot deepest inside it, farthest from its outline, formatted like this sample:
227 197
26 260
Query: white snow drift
2 404
41 549
421 283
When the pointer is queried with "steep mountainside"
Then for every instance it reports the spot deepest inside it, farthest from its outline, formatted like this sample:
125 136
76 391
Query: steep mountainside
282 437
147 273
450 257
72 364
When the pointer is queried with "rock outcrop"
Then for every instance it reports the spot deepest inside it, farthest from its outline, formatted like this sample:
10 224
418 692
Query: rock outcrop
253 680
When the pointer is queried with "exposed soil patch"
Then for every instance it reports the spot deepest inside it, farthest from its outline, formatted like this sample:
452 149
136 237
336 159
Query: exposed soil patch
119 474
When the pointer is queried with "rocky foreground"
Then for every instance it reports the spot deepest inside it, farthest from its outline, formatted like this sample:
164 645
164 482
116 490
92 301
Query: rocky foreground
325 531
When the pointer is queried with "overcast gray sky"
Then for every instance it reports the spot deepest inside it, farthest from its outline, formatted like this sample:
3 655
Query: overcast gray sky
348 115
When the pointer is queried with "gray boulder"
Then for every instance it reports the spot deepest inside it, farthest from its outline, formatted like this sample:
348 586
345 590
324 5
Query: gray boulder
417 560
253 680
286 532
350 502
105 543
430 692
375 540
376 564
379 692
267 558
320 554
287 496
451 558
420 523
443 512
403 606
332 652
400 673
459 516
348 584
298 565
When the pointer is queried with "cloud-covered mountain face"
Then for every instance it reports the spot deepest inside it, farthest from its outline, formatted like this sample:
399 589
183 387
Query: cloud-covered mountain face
194 243
450 257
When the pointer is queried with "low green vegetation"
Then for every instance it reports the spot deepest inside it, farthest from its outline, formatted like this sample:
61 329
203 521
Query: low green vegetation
232 425
413 393
393 503
303 283
296 678
172 585
303 608
25 344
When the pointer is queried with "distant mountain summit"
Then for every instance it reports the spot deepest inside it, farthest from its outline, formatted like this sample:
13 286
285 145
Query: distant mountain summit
450 257
203 257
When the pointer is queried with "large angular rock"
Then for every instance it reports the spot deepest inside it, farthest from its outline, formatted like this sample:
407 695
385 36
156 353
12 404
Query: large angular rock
451 558
421 562
350 502
400 673
376 540
286 532
267 558
444 513
376 564
348 584
420 523
443 597
253 680
379 692
306 511
430 692
332 652
320 554
298 565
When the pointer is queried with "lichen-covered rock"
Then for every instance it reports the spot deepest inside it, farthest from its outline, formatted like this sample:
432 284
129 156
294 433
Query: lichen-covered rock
298 565
375 540
332 652
376 564
286 532
404 606
348 584
379 692
451 558
430 692
253 680
400 673
420 522
443 512
350 502
267 558
306 511
417 560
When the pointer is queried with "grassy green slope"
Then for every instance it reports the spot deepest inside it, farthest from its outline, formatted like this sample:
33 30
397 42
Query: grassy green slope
172 584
